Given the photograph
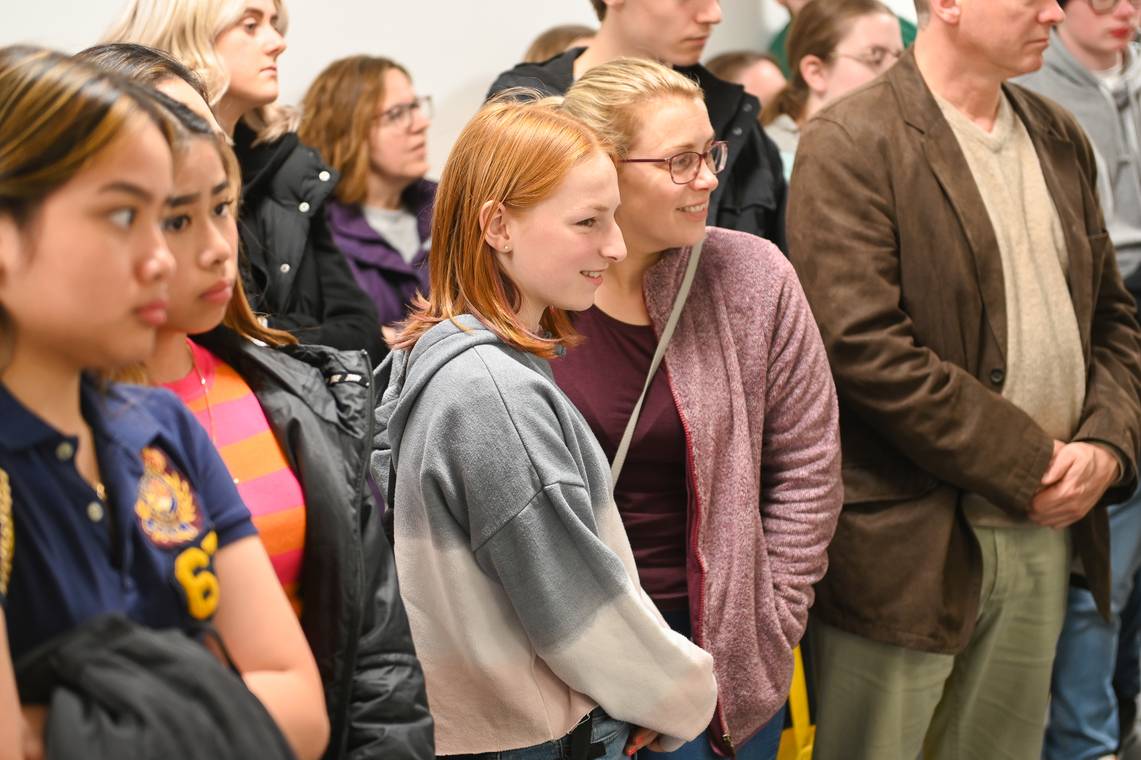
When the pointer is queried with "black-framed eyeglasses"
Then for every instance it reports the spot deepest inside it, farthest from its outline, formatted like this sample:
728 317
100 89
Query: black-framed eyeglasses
1105 7
400 115
877 58
685 167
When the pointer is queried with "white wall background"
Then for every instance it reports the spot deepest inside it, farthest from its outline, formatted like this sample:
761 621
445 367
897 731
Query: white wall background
454 48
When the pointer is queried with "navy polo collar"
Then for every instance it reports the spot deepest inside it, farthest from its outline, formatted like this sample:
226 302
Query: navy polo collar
108 410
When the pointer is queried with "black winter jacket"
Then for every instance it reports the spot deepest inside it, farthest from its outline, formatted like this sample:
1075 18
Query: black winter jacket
116 689
292 270
751 193
319 403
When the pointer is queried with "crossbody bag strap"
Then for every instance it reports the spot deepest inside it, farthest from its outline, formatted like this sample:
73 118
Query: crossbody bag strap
659 354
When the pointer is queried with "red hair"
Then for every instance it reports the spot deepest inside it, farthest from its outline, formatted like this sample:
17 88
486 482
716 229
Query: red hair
516 154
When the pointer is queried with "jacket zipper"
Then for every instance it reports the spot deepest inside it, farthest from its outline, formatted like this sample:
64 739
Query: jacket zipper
720 726
353 640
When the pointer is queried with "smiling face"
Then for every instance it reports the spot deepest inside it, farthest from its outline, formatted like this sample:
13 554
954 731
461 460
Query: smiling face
201 233
398 152
248 51
657 213
670 31
85 278
1099 38
560 248
1006 38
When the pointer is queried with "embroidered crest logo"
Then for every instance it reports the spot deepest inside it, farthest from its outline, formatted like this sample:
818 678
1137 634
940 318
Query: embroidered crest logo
7 532
165 507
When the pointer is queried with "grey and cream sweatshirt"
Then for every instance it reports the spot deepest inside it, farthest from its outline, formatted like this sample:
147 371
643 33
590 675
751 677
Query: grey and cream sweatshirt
514 566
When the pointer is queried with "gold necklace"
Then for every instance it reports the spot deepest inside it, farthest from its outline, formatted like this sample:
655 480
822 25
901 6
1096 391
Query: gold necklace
205 396
205 390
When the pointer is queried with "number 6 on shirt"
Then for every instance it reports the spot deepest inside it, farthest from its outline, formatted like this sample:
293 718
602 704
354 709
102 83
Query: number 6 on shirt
193 569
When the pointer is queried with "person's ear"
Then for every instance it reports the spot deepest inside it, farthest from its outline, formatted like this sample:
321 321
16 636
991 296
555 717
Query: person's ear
814 72
947 11
493 222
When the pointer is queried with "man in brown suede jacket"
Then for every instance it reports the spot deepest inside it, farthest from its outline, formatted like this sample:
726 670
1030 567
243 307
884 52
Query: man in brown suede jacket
946 230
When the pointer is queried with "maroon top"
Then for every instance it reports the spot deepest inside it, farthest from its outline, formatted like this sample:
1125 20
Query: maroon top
603 377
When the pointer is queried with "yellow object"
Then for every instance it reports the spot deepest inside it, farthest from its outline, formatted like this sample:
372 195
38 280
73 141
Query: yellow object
796 742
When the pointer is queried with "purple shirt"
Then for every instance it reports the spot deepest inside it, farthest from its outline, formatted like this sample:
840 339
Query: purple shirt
380 270
603 376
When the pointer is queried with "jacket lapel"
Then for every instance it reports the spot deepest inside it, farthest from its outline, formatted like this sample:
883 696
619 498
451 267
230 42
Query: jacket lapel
954 175
950 168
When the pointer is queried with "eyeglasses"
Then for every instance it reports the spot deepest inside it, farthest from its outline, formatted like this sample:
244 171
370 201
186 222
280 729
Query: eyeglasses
1104 7
685 167
878 58
400 115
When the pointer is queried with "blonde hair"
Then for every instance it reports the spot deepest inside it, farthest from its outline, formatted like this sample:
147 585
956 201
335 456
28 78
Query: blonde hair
188 29
515 154
609 98
337 115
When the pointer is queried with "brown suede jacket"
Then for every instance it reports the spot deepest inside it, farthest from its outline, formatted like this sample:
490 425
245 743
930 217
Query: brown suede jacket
897 255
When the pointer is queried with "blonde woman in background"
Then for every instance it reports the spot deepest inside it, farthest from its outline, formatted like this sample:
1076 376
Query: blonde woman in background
293 272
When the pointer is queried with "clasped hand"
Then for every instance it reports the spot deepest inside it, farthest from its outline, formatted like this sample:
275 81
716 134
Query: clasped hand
1078 475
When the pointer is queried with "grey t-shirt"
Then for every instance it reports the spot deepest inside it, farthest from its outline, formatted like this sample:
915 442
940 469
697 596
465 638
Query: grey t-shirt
398 227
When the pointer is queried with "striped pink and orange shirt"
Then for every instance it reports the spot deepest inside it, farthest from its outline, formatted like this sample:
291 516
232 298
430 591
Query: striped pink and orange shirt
231 414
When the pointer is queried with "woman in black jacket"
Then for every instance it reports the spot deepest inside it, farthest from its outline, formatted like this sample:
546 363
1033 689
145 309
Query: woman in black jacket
293 423
293 272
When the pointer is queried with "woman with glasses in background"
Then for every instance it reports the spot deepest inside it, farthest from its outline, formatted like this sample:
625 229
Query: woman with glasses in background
731 487
834 46
364 117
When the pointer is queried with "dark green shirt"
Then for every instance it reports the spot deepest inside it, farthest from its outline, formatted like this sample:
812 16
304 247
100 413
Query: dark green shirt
779 46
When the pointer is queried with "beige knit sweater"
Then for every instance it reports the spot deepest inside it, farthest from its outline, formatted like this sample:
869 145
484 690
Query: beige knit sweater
1045 370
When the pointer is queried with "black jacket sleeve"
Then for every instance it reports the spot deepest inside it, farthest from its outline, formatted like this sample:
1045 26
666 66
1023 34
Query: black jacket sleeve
388 707
348 319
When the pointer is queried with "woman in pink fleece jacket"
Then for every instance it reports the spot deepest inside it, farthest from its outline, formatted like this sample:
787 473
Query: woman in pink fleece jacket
731 489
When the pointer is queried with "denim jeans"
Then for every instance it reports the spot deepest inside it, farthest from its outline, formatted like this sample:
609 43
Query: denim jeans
1083 709
604 729
761 746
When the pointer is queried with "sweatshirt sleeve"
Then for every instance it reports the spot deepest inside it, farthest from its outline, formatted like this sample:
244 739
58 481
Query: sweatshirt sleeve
556 546
801 485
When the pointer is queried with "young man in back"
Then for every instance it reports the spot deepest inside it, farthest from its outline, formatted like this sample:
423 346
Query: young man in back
752 190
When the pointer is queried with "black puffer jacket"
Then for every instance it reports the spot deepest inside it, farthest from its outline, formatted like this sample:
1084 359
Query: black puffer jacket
751 193
117 689
319 403
292 270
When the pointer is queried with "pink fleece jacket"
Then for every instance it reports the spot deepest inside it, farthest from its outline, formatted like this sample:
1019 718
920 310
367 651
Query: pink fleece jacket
755 394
